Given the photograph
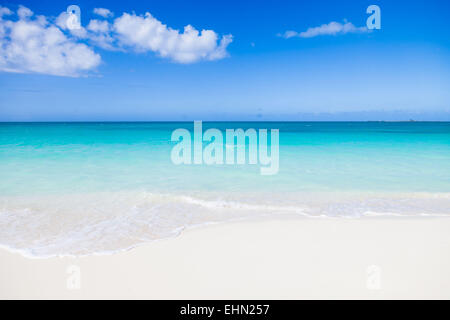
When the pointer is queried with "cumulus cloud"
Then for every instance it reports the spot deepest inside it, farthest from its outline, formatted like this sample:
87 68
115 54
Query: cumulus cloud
63 22
145 33
24 12
5 11
30 44
105 13
332 28
99 33
98 26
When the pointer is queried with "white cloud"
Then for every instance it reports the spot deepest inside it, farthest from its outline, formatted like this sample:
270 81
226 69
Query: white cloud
3 25
145 33
99 34
24 12
332 28
33 45
98 26
36 44
5 11
62 21
105 13
289 34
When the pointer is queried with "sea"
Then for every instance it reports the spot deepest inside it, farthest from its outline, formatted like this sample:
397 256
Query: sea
75 189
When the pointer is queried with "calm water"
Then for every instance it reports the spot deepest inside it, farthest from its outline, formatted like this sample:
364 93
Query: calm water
82 188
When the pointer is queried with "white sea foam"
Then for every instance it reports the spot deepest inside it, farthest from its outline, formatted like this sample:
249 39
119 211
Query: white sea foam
108 222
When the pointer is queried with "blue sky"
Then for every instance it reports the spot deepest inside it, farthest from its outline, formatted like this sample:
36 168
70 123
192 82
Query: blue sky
399 72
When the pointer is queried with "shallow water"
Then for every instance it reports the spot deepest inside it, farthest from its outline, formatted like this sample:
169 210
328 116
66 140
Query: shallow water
84 188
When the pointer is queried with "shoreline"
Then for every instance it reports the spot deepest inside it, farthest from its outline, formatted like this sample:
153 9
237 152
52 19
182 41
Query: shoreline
269 258
262 218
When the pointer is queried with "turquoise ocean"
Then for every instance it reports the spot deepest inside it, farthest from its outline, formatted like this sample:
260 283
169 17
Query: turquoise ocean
94 188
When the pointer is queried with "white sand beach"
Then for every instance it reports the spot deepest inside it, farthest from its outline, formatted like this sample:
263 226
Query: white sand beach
265 259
